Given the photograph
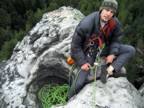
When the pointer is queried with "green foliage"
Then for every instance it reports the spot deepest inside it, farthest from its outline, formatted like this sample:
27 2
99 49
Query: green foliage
5 35
17 22
52 6
20 35
4 18
135 32
41 4
20 7
7 49
87 7
132 67
33 17
124 15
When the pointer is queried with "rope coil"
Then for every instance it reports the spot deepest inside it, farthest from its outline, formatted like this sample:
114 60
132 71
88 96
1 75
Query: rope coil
52 94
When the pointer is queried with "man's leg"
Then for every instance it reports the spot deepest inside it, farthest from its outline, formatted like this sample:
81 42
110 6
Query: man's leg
125 53
78 84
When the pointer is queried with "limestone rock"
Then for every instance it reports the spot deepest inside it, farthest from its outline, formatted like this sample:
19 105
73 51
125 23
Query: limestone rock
116 93
40 55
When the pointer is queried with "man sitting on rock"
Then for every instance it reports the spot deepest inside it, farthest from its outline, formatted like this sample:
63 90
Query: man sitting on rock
101 27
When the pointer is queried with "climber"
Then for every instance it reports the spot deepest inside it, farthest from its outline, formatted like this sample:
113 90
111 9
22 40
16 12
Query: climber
104 25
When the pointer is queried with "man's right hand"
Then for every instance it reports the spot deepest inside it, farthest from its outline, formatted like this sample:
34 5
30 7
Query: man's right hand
85 67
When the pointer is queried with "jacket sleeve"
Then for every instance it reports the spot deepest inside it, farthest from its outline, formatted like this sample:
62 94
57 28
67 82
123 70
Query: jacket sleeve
81 35
116 39
77 51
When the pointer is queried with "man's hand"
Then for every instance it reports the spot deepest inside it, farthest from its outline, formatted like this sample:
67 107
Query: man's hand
85 67
110 58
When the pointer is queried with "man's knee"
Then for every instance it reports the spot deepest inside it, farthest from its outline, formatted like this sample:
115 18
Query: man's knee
132 50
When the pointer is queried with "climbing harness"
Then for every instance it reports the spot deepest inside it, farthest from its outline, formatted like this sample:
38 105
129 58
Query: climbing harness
52 94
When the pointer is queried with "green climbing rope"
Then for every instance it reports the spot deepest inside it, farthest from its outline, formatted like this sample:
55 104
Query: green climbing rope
52 94
94 69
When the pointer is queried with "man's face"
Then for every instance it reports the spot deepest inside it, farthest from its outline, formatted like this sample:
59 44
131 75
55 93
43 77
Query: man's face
106 14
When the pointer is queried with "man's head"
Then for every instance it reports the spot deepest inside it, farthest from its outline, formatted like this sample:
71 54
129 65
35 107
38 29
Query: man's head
112 4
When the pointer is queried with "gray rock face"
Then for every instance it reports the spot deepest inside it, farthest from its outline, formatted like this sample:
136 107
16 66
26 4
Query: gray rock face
116 93
141 90
41 56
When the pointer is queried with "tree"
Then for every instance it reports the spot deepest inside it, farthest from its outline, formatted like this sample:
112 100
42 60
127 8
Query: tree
20 7
17 22
7 49
41 4
4 18
5 35
53 6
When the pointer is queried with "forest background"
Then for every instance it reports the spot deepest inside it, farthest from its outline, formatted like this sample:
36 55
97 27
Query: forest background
18 17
